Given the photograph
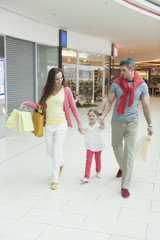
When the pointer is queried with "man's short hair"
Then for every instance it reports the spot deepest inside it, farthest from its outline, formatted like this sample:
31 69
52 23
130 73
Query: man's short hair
128 62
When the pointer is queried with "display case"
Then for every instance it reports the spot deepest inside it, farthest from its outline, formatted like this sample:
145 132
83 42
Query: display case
90 81
155 76
144 74
86 82
98 85
69 71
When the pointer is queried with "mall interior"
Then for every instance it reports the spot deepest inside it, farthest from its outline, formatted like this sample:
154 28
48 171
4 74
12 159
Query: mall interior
40 35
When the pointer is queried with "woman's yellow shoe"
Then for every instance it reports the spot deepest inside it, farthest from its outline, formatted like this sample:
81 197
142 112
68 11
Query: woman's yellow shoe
60 170
54 186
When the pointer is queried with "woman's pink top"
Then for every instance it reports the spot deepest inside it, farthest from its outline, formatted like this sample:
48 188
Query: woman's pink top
68 101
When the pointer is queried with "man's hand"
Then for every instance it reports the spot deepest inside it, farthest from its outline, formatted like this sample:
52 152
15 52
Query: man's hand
150 131
101 120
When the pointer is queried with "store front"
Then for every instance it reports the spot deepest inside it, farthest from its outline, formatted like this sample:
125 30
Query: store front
85 74
47 58
2 88
30 56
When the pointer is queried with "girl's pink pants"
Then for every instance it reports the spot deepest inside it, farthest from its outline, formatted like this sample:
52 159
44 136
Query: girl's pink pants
89 157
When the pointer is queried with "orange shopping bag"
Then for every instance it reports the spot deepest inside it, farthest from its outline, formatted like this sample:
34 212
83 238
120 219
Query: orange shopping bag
38 119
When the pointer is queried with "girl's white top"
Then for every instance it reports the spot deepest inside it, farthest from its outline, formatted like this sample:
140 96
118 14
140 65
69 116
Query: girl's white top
93 138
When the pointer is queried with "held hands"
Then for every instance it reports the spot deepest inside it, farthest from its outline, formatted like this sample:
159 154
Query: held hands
101 120
80 129
101 123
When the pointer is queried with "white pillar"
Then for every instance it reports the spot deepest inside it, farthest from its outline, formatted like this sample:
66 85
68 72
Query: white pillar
36 78
77 72
103 82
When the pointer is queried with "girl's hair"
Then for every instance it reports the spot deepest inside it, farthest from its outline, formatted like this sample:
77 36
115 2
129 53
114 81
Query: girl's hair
94 111
49 87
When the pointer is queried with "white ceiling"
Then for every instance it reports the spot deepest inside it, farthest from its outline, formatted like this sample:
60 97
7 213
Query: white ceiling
136 34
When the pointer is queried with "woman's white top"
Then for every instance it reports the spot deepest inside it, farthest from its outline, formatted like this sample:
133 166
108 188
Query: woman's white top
93 138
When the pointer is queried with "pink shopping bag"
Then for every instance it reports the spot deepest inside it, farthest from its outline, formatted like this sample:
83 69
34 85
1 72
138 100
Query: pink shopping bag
16 124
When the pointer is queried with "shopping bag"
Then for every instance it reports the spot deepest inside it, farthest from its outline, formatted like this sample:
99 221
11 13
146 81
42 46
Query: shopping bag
21 127
16 123
11 120
20 120
142 147
38 119
27 122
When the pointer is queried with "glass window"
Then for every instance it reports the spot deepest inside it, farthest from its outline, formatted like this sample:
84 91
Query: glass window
47 58
88 81
69 59
90 76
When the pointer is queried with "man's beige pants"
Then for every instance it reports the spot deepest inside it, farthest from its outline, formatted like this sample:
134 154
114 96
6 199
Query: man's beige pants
123 141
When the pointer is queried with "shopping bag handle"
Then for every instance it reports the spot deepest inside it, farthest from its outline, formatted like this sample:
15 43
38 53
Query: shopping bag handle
148 138
23 108
40 108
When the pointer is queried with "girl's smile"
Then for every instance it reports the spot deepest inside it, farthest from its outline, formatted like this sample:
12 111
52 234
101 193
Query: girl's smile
92 117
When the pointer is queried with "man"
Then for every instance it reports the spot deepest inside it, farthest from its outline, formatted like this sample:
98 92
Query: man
128 90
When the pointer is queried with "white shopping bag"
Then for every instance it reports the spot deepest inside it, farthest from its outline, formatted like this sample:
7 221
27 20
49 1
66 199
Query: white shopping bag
142 147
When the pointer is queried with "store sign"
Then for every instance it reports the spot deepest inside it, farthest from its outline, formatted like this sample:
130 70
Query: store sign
114 52
62 38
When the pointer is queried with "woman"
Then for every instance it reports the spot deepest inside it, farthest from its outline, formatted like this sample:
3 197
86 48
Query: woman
56 99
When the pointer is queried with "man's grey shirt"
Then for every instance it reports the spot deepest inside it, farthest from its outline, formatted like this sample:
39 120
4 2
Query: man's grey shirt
130 113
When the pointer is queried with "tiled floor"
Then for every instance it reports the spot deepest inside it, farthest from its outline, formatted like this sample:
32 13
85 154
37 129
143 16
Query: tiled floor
29 210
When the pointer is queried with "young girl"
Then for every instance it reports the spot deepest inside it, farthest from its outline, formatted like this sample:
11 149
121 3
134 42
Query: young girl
94 143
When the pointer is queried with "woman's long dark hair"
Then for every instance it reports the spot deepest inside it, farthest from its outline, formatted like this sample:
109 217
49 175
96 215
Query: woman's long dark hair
49 87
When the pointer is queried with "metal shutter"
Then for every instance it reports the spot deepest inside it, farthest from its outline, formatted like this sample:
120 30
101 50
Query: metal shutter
20 64
1 46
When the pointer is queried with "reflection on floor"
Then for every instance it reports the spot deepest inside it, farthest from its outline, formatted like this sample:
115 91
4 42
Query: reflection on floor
29 210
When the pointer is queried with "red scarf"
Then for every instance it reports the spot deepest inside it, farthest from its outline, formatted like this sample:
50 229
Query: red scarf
127 89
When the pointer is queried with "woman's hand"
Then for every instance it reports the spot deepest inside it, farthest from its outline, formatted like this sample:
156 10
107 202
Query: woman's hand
24 104
80 129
